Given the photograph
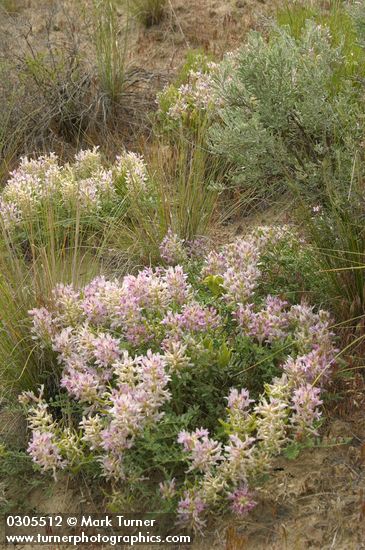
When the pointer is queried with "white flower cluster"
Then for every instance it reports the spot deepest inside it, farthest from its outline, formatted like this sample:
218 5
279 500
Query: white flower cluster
197 95
84 185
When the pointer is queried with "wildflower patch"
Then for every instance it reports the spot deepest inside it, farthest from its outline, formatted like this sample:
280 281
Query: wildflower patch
155 369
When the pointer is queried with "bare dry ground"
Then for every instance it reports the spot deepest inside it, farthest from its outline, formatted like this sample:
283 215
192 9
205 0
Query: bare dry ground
215 26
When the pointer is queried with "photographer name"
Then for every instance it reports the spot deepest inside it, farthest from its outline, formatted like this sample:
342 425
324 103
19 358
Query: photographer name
115 521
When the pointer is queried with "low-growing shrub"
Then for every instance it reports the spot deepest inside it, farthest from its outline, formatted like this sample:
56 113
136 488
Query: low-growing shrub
43 197
281 120
53 229
156 378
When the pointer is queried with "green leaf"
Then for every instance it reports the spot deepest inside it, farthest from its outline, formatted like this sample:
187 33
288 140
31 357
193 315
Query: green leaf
214 283
291 452
224 355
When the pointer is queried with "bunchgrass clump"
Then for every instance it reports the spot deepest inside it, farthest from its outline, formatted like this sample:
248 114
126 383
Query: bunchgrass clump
111 36
149 12
183 190
335 228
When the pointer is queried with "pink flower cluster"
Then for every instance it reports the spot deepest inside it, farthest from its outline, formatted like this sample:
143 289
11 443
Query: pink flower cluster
305 404
90 330
118 413
237 264
312 329
268 324
238 400
43 446
197 95
85 185
43 327
255 435
174 250
189 511
168 489
241 501
289 407
193 318
10 214
77 320
204 451
131 405
133 168
100 334
44 451
225 472
313 367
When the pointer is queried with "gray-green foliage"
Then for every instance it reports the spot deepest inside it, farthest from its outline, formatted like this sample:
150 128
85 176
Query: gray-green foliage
285 117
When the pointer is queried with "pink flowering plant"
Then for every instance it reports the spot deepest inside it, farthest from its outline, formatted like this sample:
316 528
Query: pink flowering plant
191 100
41 193
185 380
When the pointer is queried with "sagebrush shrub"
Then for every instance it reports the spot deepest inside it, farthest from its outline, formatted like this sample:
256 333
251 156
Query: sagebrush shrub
154 369
282 120
334 220
345 22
